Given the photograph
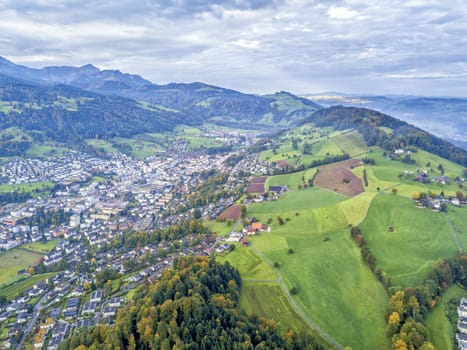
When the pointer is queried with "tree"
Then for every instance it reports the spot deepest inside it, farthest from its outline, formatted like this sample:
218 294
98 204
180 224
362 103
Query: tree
197 213
441 168
394 191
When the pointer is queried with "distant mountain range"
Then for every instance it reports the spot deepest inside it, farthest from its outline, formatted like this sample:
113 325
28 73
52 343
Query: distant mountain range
72 104
192 102
443 116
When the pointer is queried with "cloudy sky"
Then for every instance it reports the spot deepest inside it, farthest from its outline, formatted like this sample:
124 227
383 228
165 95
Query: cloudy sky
353 46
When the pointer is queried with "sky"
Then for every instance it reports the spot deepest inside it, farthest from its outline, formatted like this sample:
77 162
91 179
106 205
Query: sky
416 47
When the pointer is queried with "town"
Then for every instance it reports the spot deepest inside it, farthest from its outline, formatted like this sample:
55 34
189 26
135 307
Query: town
89 204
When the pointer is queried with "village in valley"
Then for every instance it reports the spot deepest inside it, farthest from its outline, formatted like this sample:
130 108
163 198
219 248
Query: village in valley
89 209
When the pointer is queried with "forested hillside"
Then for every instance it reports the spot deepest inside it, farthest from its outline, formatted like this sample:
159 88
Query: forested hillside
192 306
369 123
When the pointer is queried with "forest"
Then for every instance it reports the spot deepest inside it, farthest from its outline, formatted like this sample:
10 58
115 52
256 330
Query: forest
194 305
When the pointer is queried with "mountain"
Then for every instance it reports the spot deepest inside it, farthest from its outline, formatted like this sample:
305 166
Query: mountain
210 103
445 117
385 131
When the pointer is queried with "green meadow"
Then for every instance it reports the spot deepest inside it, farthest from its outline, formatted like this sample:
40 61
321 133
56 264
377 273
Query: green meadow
14 260
335 288
438 324
351 142
420 238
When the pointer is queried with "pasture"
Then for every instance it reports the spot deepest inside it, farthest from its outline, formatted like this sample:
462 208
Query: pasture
420 238
297 200
335 288
437 322
351 142
249 264
14 260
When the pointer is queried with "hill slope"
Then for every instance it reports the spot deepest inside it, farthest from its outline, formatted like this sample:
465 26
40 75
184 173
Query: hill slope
208 103
385 131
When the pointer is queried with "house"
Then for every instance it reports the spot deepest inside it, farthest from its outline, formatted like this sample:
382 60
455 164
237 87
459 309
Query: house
462 325
461 341
109 311
244 242
89 307
234 237
97 296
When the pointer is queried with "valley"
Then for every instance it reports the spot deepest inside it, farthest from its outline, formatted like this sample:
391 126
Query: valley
347 226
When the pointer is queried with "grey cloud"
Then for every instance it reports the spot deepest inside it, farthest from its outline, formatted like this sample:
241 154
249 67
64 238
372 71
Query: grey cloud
262 46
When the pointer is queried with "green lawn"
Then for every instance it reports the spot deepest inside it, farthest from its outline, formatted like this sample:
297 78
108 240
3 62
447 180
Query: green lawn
268 300
373 182
420 238
441 330
140 149
14 260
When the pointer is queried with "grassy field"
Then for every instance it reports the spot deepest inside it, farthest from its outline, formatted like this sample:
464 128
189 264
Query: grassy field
458 217
356 208
291 180
39 247
351 142
249 264
221 228
373 182
334 287
420 238
195 142
28 187
16 288
102 144
140 149
269 301
14 260
298 200
438 324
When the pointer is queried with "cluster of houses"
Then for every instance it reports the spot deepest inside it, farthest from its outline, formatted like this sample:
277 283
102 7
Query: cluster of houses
241 237
461 335
135 195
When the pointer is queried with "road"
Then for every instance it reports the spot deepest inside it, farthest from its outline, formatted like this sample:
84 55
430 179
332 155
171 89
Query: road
294 303
32 322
